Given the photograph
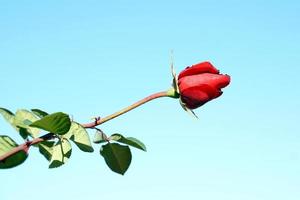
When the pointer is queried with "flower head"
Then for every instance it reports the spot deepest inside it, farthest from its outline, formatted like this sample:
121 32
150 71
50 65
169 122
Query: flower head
200 83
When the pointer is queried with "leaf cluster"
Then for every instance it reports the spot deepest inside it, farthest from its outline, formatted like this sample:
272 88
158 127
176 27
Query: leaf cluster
57 149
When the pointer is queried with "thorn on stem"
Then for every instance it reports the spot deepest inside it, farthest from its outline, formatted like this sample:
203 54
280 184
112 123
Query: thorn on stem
27 146
96 120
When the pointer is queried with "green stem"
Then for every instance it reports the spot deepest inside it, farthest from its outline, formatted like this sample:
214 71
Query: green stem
24 147
125 110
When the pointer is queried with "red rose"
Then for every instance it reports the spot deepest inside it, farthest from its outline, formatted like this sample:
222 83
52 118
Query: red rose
200 83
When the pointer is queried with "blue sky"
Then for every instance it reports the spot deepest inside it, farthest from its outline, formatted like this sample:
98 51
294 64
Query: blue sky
90 58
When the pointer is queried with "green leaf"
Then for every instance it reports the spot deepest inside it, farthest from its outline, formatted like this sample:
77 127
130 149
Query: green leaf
100 137
46 149
58 123
22 119
23 132
61 153
39 113
7 115
20 122
80 137
6 145
117 157
128 140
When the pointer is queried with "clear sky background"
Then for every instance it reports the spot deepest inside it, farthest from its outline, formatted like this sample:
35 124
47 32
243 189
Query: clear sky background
90 58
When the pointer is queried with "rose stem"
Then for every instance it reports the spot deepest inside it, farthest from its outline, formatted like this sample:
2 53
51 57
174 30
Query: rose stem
24 147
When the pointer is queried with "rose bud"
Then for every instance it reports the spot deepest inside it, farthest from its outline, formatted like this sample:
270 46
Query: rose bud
200 83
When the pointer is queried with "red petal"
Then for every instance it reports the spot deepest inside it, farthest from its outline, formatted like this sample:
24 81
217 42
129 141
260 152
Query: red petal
195 97
223 81
204 67
217 81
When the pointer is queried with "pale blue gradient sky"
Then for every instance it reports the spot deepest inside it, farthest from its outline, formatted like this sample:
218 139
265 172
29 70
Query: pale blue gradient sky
90 58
